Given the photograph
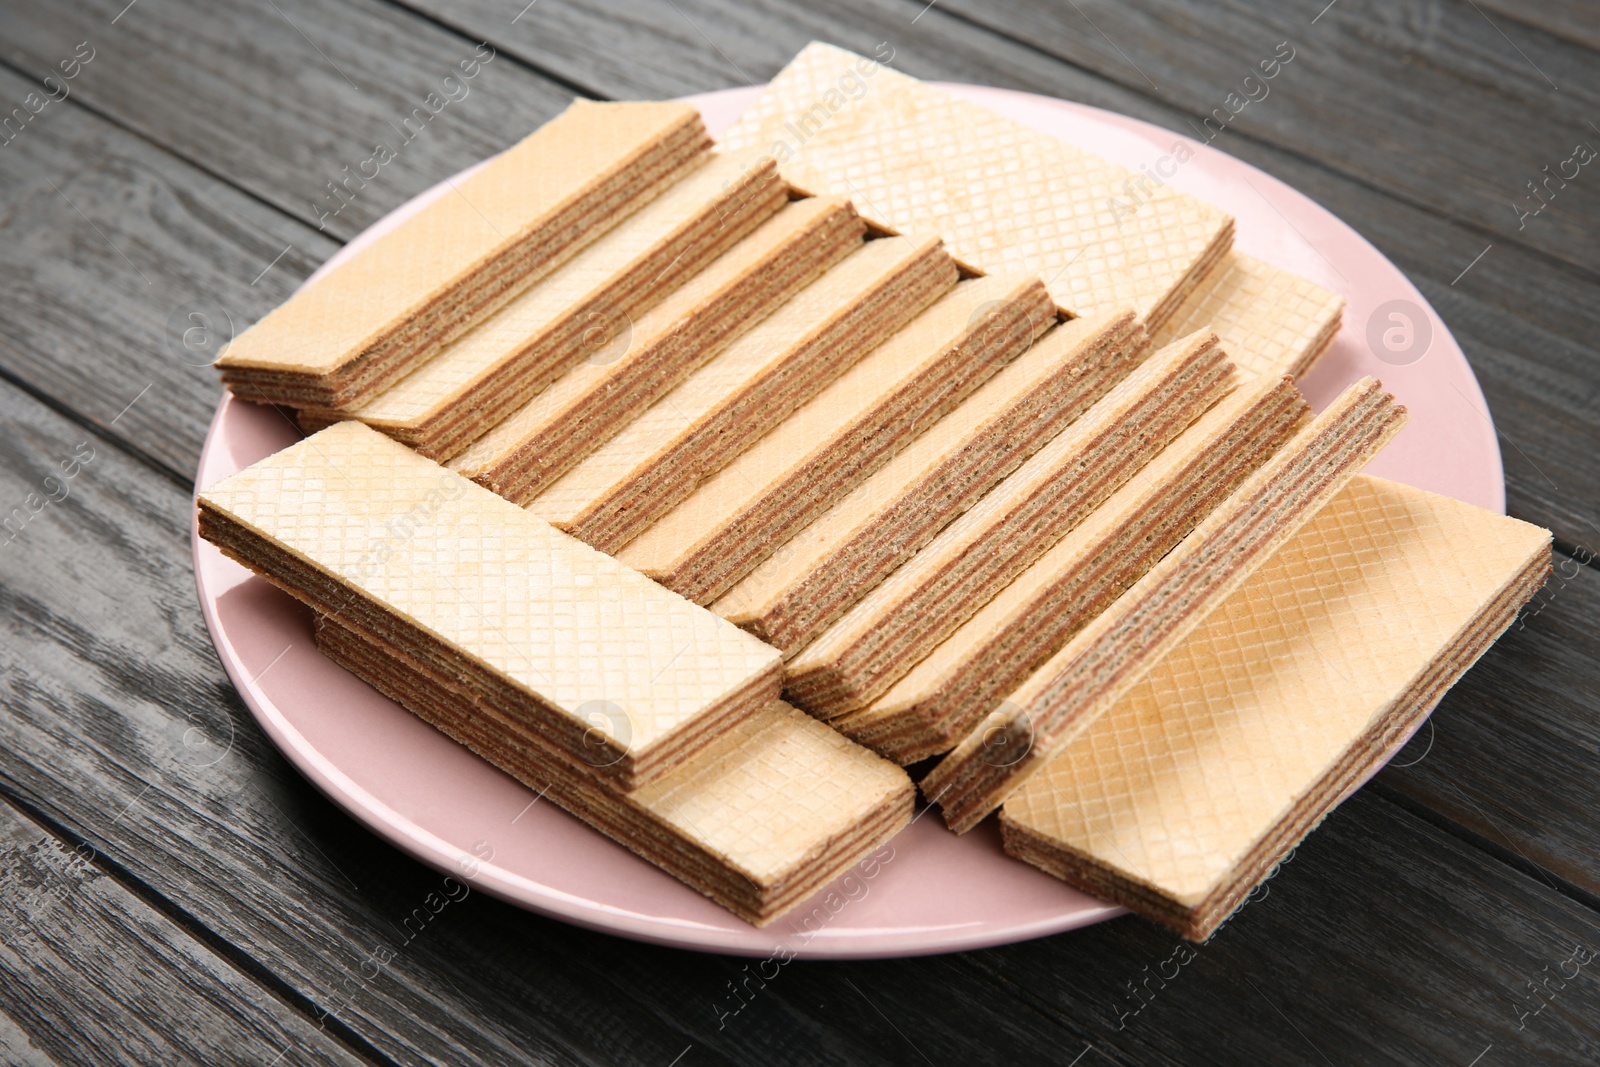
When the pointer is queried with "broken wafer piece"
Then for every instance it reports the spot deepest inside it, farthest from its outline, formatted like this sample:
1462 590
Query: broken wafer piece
902 619
729 403
633 362
401 298
1270 321
841 436
938 701
1109 655
501 363
762 818
533 623
814 577
1005 196
1182 797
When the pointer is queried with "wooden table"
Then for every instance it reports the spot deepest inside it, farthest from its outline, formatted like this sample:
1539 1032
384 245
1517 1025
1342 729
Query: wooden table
172 889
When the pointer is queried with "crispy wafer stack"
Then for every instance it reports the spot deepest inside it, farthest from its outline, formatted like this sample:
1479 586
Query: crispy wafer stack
538 626
729 403
940 587
844 434
994 442
815 576
1179 799
774 809
1004 196
1270 321
939 700
409 293
633 361
505 360
1109 655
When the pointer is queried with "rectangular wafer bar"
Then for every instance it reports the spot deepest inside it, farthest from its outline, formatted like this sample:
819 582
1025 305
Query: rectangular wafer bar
939 700
1179 799
730 402
758 821
1271 322
536 624
401 298
502 362
634 361
1004 196
1109 655
811 579
912 610
841 436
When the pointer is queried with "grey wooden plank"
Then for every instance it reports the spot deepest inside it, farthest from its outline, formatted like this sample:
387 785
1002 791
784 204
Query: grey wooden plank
1430 102
17 1049
280 98
92 974
1511 751
122 269
111 684
1427 960
1576 21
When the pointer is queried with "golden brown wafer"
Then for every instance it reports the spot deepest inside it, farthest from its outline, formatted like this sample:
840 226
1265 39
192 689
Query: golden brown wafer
540 626
633 362
929 595
1180 798
814 577
764 817
940 699
1004 196
1109 655
1270 321
731 401
414 289
841 436
502 362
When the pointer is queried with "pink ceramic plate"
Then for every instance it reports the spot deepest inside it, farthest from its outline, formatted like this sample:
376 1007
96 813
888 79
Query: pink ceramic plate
939 892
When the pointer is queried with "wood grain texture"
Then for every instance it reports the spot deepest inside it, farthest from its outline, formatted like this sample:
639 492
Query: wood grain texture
1376 91
95 975
279 98
1278 983
1510 753
107 246
1579 23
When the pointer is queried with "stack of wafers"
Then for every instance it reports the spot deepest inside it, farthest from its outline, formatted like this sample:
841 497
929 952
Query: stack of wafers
628 705
968 443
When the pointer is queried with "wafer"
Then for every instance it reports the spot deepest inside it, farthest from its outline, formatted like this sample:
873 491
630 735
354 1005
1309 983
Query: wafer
1270 321
912 610
633 362
729 403
765 816
1109 655
539 626
1185 793
401 298
946 694
504 361
1004 196
814 577
844 434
